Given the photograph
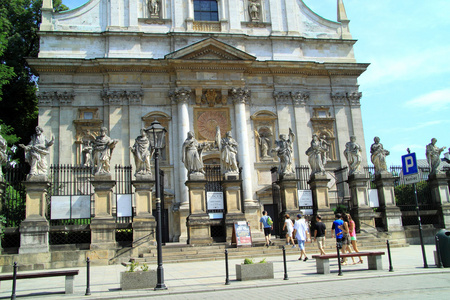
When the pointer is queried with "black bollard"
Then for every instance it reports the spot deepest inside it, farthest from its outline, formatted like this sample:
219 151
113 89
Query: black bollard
438 252
13 294
227 279
284 261
88 277
338 247
391 269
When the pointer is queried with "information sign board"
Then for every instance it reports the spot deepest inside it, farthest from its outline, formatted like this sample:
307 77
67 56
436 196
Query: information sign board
214 200
124 206
242 234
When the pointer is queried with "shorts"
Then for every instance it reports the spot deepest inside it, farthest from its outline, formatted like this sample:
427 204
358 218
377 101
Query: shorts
301 244
345 239
290 232
267 231
353 238
320 242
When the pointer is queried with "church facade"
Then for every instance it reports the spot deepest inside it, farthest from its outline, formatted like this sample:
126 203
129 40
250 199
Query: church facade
255 68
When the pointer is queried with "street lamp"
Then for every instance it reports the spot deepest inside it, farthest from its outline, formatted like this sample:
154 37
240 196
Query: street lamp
158 132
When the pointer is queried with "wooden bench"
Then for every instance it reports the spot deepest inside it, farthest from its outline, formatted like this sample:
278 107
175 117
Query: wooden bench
70 276
373 259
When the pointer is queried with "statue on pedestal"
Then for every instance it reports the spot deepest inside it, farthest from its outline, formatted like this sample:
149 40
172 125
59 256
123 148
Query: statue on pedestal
284 151
228 154
153 7
103 147
433 153
36 152
315 155
191 155
264 144
353 155
378 156
142 155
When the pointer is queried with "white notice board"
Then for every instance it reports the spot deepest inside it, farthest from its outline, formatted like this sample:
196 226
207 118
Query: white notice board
305 198
81 207
373 198
60 207
124 206
214 200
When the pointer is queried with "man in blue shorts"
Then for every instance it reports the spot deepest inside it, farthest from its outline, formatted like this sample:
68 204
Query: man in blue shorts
338 234
264 221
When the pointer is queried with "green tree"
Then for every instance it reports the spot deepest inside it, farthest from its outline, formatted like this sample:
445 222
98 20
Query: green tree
20 21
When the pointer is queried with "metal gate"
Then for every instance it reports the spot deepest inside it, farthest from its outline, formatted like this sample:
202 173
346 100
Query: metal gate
214 184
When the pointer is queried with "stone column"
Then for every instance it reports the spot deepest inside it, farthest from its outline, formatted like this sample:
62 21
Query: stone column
144 223
103 227
34 229
392 216
440 197
321 200
182 97
289 195
232 191
361 212
198 222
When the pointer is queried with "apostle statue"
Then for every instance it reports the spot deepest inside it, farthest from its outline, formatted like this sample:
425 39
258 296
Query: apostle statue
3 154
153 7
36 152
264 143
353 155
284 151
87 153
433 153
229 149
253 9
315 155
191 155
378 156
142 154
103 147
326 149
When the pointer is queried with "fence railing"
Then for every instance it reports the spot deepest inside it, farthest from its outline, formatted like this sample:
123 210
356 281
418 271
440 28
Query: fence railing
14 197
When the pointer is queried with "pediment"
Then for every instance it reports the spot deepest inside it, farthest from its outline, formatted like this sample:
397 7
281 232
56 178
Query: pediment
210 49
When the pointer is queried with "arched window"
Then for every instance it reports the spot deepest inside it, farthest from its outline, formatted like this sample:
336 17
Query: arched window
206 10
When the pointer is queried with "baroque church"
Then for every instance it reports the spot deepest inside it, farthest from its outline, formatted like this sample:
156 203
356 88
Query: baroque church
255 68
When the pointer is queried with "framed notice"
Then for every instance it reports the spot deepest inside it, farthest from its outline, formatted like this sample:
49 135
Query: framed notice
124 206
81 207
241 234
60 207
373 198
214 200
70 207
305 198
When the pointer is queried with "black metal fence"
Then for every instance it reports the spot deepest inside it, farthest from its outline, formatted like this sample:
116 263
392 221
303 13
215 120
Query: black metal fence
214 176
302 174
14 197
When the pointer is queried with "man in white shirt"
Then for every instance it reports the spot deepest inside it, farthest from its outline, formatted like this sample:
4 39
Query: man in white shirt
301 232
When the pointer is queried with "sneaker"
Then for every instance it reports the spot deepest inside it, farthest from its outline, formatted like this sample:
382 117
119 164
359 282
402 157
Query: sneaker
305 259
300 258
287 244
293 246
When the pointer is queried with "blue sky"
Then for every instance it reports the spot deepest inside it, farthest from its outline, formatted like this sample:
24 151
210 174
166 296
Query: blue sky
406 89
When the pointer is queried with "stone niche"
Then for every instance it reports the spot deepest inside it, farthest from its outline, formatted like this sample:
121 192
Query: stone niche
264 129
164 119
87 126
323 125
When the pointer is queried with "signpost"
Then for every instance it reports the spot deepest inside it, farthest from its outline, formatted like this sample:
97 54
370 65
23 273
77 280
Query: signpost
411 176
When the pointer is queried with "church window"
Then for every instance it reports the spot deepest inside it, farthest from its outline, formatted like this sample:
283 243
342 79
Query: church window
206 10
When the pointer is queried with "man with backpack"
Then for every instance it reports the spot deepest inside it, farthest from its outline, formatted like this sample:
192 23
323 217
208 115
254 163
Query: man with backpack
267 222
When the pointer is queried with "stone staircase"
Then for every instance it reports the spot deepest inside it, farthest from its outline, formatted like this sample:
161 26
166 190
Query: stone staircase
173 252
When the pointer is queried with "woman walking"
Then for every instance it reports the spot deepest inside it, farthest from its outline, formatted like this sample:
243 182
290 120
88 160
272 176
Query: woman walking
352 230
289 226
346 238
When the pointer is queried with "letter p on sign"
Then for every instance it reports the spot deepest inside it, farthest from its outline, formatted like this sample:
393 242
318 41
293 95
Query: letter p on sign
409 164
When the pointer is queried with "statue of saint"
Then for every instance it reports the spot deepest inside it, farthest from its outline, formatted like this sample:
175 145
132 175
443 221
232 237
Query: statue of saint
3 154
228 154
326 149
253 9
141 153
36 152
433 153
284 151
353 155
315 155
378 156
103 147
87 153
191 155
153 7
264 143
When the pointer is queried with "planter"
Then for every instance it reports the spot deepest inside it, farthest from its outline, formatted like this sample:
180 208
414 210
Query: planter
254 271
138 280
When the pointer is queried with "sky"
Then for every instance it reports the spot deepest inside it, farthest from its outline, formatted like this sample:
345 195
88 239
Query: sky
406 88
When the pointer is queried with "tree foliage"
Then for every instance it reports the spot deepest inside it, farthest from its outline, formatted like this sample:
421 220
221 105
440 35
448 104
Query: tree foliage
19 24
404 194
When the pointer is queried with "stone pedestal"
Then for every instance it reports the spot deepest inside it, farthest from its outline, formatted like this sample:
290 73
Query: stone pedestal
144 223
362 213
319 187
392 216
440 196
34 229
103 227
289 193
198 223
233 204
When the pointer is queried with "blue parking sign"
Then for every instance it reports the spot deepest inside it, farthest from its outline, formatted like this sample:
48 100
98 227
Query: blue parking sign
409 164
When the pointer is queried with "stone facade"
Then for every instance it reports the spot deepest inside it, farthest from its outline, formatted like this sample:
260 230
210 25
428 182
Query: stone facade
117 64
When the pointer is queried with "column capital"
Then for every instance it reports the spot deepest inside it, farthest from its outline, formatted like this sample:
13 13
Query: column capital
240 95
180 95
122 97
354 98
64 98
300 98
282 98
339 98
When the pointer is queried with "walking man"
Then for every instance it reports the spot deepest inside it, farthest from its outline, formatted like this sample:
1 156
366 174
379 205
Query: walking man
301 232
319 234
338 234
267 222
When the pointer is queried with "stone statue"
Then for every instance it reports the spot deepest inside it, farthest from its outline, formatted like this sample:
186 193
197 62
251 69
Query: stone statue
432 153
36 152
191 155
3 154
153 7
326 149
87 153
264 143
253 9
378 156
315 155
353 155
228 154
142 155
284 151
103 147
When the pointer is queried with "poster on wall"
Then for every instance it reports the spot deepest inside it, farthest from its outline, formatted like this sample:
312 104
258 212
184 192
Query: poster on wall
214 200
124 205
60 207
373 198
305 199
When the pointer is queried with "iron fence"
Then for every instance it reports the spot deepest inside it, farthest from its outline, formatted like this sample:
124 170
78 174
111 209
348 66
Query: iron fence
14 196
302 174
123 177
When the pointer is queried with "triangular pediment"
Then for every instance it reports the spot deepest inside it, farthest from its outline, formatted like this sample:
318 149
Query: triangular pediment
210 49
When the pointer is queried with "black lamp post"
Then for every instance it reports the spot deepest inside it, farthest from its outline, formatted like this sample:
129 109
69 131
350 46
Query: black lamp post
158 133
